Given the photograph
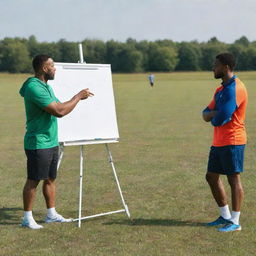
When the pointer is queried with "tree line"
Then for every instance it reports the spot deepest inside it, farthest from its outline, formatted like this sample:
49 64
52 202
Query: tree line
130 56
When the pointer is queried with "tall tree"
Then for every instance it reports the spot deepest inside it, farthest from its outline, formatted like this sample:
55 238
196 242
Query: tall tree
68 51
189 57
243 41
113 49
143 48
209 51
250 56
14 56
130 59
239 51
161 58
94 51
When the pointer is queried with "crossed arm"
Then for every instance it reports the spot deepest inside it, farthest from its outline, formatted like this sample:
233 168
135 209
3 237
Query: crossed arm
209 115
226 108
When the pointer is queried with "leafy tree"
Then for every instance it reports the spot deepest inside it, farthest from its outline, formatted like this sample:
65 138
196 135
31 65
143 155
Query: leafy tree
123 57
243 41
33 46
50 49
68 51
239 51
189 57
214 40
143 48
250 56
130 59
166 42
113 49
14 56
94 51
131 56
209 52
161 58
131 41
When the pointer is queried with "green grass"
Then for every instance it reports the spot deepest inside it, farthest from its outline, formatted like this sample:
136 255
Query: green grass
161 161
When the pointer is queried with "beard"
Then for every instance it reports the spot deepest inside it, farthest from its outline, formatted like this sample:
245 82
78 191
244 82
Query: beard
218 75
49 76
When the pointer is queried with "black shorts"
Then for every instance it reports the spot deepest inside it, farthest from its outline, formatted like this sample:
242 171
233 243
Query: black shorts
42 163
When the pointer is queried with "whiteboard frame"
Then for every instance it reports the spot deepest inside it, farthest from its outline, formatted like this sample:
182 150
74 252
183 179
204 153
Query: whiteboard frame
87 142
89 66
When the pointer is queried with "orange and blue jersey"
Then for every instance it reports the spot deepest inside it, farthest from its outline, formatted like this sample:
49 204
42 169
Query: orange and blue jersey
230 101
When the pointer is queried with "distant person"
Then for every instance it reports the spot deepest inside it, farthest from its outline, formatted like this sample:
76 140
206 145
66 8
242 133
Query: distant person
151 79
226 112
41 138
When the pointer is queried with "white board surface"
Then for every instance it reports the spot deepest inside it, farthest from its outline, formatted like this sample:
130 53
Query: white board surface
93 119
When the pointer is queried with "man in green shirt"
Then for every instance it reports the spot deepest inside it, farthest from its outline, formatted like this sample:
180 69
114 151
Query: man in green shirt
41 138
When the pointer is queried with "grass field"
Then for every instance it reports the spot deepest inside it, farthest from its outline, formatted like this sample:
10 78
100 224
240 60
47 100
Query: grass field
161 161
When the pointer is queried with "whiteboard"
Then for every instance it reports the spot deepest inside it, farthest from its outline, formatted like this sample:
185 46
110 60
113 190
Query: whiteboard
93 120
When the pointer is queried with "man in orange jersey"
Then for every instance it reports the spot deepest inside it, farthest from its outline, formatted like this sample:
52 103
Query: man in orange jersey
226 112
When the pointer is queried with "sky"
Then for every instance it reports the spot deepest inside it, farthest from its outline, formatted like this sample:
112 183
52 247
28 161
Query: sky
178 20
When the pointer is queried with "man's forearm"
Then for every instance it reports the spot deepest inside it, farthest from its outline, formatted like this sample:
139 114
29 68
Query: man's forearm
61 109
208 115
66 107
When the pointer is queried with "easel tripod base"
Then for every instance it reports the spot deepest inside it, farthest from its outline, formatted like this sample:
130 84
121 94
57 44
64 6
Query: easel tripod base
126 209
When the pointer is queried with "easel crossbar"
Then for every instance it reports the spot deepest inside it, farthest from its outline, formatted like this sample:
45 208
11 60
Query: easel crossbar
98 215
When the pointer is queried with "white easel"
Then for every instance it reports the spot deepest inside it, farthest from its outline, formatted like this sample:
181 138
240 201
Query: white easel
81 144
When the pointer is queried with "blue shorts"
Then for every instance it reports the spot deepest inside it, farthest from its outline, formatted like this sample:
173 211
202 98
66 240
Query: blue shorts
226 160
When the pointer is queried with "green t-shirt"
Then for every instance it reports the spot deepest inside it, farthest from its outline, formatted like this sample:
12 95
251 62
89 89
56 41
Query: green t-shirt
41 127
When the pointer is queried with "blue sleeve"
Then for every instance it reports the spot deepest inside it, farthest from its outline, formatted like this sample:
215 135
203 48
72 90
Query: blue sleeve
226 107
206 110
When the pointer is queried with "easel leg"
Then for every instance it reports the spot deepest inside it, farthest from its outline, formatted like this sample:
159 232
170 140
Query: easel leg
117 181
61 152
81 185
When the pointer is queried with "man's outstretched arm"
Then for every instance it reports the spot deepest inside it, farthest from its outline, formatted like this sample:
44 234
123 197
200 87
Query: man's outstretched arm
61 109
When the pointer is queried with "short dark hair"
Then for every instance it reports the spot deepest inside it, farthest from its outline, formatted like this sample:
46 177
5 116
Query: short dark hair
39 60
227 59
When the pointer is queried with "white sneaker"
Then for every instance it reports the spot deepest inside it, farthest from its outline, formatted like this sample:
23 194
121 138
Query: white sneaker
30 223
56 218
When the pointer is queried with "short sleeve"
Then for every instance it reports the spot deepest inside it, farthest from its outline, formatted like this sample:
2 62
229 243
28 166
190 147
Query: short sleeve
57 100
39 95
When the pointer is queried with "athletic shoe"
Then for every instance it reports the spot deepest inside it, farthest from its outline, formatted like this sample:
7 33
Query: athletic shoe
56 218
230 227
30 223
219 221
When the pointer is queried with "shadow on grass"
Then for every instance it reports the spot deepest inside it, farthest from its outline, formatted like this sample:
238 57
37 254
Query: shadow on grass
156 222
10 216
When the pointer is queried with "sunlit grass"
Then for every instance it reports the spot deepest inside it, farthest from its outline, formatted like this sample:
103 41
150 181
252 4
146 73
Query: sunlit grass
161 161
